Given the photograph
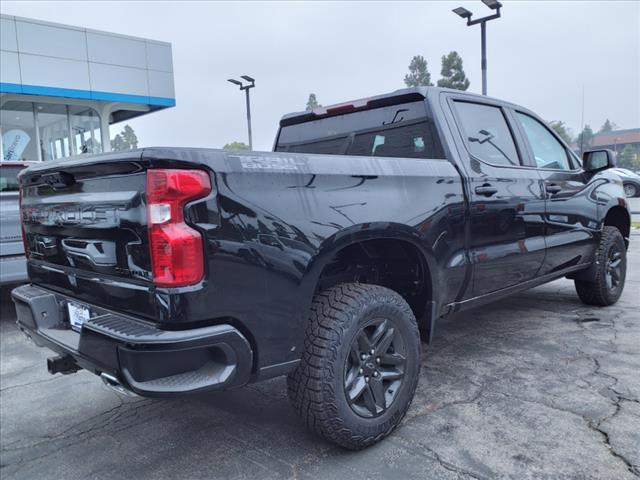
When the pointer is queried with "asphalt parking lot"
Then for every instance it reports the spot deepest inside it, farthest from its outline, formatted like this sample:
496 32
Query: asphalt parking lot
535 386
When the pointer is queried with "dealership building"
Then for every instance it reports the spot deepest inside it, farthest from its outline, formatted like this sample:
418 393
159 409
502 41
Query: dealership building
62 86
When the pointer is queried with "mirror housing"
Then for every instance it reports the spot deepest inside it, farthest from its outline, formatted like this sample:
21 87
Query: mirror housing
596 160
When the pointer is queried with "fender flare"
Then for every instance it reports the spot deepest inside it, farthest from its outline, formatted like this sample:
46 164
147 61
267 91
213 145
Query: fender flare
358 233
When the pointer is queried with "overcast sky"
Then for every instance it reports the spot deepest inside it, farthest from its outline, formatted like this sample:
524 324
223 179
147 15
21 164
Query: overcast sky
541 55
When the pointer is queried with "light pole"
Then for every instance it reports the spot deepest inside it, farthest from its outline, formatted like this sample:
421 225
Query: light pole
466 14
246 87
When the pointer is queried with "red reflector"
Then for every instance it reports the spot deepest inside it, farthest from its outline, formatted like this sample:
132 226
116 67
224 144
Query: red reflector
177 255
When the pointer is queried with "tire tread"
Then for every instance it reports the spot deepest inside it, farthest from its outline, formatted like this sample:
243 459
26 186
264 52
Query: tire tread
310 386
595 291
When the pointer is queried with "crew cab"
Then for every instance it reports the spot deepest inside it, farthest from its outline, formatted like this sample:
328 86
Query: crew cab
174 270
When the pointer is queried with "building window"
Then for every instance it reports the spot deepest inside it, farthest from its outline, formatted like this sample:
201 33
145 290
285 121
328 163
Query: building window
61 130
85 125
53 125
18 131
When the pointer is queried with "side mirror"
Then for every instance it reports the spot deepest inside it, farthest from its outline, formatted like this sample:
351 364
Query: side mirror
596 160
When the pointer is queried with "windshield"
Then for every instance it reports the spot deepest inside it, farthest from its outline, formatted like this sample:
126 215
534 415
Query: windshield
403 130
9 178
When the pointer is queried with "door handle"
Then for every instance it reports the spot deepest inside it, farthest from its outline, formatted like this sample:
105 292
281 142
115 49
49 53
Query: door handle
553 188
486 190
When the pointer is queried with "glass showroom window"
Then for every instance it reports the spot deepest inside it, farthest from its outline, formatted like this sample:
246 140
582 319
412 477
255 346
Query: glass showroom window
53 124
19 142
85 125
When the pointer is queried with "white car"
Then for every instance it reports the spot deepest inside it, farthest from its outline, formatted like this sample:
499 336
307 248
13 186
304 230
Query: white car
630 180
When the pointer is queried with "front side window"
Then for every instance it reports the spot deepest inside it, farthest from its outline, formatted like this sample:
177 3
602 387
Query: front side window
547 149
487 133
18 131
9 178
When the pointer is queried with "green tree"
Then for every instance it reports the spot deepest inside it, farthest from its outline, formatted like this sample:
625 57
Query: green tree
584 139
607 127
453 75
125 140
628 158
418 75
236 146
562 130
117 143
312 102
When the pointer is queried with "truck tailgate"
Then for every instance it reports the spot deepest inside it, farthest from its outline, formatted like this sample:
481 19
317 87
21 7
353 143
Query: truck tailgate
86 230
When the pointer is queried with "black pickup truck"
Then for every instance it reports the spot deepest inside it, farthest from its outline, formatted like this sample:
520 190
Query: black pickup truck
174 270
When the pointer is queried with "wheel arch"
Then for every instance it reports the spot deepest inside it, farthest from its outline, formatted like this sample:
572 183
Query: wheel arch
386 242
619 217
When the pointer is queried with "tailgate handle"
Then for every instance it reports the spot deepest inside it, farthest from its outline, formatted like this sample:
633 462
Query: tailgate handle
58 179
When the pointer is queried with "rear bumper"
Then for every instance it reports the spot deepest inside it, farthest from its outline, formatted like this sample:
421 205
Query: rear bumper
13 269
142 358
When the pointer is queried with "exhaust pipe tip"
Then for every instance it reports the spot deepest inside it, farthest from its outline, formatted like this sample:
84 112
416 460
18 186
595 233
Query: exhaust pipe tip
114 384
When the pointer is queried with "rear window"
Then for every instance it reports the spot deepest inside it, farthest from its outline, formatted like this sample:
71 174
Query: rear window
403 130
9 178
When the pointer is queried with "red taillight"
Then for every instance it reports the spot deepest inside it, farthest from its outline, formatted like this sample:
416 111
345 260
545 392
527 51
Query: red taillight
25 243
176 249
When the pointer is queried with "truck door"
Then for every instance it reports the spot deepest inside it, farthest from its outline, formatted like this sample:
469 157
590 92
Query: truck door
571 216
506 200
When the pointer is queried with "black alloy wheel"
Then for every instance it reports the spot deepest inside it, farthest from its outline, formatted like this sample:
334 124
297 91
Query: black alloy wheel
613 273
374 369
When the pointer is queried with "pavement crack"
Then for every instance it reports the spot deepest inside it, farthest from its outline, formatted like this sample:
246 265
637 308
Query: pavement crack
453 468
433 407
27 384
594 426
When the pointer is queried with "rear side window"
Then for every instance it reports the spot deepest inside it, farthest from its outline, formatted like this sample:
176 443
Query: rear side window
547 150
487 133
404 130
9 178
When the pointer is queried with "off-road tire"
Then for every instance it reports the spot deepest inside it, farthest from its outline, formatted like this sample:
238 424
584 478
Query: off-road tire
317 387
595 290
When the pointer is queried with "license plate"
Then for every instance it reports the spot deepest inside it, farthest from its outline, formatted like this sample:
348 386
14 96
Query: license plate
77 315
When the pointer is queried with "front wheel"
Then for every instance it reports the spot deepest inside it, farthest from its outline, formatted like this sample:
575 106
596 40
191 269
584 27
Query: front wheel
608 273
359 370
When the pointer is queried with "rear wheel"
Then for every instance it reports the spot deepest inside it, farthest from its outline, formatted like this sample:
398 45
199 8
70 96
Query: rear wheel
608 272
359 371
630 190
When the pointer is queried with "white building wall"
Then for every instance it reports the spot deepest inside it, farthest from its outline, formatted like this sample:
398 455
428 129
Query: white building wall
46 58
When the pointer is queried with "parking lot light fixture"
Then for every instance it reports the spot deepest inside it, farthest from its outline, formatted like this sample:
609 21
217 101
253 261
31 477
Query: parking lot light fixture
492 4
462 12
466 14
251 82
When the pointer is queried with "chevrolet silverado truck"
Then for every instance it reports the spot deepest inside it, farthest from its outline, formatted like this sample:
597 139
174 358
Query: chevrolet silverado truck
174 270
